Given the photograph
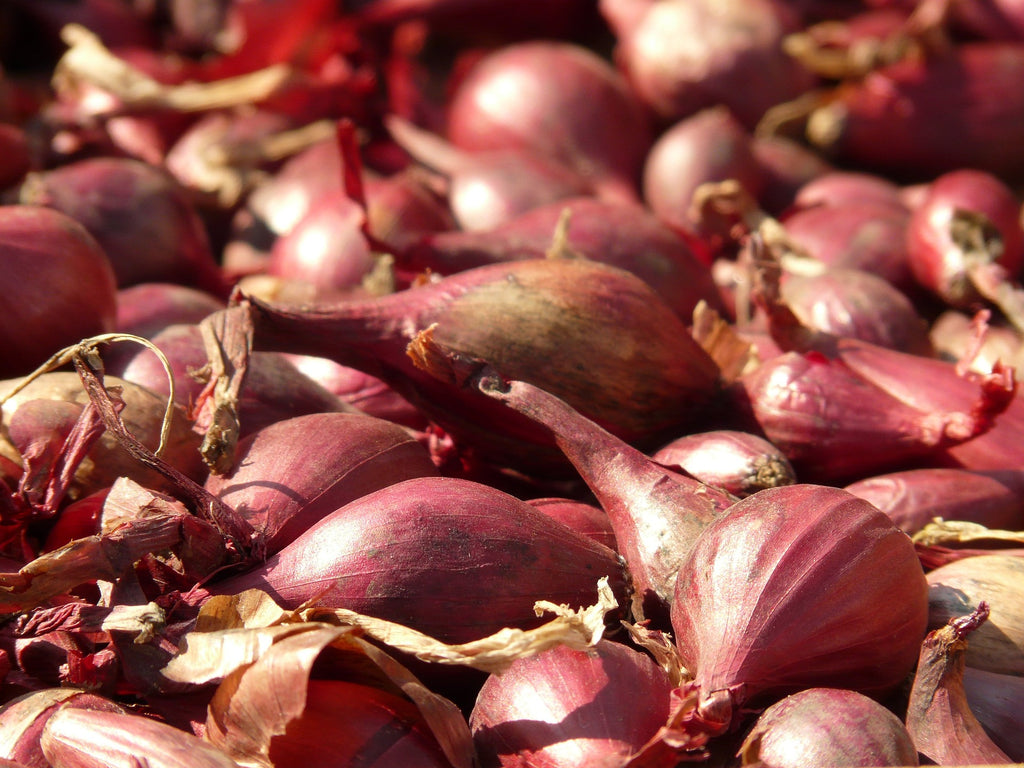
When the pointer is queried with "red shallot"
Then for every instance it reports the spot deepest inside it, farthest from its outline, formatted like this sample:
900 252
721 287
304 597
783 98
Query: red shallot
796 587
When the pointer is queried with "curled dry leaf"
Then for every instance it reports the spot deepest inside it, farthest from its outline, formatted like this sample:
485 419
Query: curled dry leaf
88 62
258 702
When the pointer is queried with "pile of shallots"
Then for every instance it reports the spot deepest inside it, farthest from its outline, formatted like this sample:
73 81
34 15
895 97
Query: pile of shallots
511 383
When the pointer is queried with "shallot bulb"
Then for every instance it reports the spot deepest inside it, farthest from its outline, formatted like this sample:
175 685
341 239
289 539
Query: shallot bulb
623 235
144 222
513 95
682 56
62 286
965 240
566 708
796 587
957 588
828 726
708 146
914 497
293 472
927 115
564 324
738 462
454 559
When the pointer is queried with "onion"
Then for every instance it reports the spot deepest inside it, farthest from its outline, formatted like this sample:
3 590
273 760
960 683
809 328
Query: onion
945 730
824 411
147 308
453 559
828 726
682 56
398 207
856 235
914 497
359 389
854 303
512 96
566 708
707 146
796 587
488 188
326 248
996 701
965 241
787 166
624 236
656 513
582 517
142 220
24 717
564 324
273 390
958 588
840 188
143 416
293 472
738 462
65 287
924 116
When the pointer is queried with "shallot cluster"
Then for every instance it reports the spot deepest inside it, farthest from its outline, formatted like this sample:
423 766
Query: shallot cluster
490 384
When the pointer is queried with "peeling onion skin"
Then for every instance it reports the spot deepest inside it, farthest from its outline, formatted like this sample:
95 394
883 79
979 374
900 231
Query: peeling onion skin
828 726
566 708
797 587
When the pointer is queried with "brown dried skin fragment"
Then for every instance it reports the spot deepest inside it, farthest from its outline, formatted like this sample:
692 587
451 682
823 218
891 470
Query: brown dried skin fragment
938 716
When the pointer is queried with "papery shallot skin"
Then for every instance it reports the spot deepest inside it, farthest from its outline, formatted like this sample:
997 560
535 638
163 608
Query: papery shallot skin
866 409
92 739
455 559
567 708
797 587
